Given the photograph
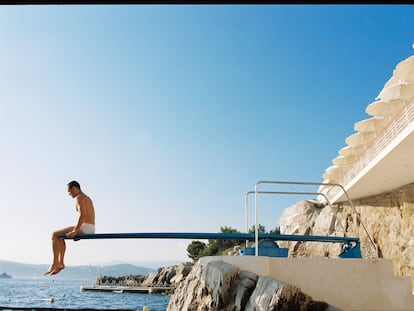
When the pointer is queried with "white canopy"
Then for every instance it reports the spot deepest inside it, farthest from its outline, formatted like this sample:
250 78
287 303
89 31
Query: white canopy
351 151
403 91
392 81
385 109
360 139
405 70
375 124
344 160
333 173
396 93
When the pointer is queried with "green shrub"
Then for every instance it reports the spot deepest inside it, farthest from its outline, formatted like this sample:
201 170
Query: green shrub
197 249
319 205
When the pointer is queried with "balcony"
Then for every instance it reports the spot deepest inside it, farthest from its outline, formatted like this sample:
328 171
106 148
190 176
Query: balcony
380 156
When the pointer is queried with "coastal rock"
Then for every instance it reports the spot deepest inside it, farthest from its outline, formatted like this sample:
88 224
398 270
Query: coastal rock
271 294
204 288
388 218
246 283
221 286
127 280
181 272
167 276
164 277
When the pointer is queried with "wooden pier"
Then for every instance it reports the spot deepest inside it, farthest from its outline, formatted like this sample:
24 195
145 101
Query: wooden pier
126 289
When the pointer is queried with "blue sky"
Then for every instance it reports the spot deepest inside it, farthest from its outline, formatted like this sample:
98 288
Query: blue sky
168 115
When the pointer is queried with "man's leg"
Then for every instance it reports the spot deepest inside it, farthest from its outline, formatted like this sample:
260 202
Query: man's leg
62 252
59 248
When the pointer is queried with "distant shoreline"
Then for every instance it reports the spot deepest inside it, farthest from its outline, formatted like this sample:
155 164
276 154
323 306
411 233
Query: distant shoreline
35 271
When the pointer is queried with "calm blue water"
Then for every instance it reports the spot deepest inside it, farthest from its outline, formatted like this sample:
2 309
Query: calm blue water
37 293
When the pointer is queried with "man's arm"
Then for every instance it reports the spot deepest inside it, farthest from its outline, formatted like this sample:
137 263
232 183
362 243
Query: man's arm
80 203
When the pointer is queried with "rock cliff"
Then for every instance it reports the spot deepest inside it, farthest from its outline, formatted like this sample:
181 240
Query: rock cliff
388 218
221 286
164 277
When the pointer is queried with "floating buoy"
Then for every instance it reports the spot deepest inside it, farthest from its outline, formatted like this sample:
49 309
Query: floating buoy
52 300
145 308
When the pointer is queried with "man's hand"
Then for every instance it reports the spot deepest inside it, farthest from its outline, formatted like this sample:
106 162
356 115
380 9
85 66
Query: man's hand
71 234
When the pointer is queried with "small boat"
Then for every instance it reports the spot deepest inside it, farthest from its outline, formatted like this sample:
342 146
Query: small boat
118 291
4 275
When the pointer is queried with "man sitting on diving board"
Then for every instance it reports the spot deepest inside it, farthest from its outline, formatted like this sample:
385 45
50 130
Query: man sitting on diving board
85 224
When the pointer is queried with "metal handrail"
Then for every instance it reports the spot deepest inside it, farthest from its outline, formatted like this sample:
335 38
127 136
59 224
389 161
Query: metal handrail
246 204
256 189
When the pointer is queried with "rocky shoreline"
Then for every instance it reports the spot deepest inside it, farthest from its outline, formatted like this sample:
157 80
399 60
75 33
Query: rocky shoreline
164 277
217 285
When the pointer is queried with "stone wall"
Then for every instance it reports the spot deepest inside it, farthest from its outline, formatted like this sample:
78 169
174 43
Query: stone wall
218 285
388 218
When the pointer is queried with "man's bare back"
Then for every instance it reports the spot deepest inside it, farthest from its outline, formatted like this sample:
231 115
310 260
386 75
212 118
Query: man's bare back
86 211
84 207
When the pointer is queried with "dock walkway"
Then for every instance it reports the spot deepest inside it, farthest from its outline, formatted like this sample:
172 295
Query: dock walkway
127 289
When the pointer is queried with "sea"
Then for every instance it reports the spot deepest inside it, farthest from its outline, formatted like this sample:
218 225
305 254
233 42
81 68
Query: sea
66 294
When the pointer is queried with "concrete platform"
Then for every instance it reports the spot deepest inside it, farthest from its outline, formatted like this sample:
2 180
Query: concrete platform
348 284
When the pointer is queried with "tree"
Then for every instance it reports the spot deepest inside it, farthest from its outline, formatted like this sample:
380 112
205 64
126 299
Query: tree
261 229
195 250
212 249
225 244
275 230
226 229
198 249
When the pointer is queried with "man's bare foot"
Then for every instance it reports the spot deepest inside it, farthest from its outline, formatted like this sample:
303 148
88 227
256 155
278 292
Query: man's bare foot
57 269
49 271
54 268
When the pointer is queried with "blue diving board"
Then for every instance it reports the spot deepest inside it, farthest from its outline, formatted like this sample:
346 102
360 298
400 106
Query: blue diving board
214 236
265 247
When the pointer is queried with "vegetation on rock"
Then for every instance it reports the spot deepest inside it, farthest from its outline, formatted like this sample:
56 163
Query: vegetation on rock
198 249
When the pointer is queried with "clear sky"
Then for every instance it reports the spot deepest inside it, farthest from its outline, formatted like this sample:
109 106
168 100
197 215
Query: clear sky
168 115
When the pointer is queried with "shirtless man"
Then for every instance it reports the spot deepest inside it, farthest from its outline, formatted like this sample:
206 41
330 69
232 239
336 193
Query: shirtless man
85 224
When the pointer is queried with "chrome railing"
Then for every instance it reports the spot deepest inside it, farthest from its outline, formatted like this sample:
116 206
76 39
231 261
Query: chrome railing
373 249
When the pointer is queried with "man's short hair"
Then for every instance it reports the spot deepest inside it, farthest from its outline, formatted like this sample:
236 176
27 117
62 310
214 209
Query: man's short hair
74 183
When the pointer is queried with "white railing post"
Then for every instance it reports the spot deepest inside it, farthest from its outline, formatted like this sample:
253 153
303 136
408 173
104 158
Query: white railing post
256 227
